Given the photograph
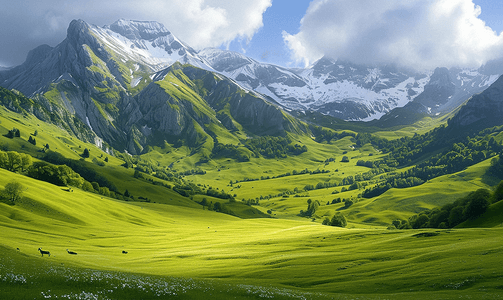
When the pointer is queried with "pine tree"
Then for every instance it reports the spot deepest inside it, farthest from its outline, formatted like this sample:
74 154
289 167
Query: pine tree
86 153
32 140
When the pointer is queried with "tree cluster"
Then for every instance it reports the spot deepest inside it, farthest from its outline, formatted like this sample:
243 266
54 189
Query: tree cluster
293 173
368 164
61 175
83 168
327 135
273 147
397 181
32 141
456 158
217 206
312 206
454 153
14 161
496 168
338 220
229 151
14 132
452 214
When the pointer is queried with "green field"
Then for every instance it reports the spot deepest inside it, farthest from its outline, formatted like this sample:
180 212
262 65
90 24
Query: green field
178 249
188 251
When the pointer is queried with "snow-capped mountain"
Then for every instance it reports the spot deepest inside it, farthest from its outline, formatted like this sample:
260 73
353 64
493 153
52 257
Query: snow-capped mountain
346 90
147 42
134 84
144 47
134 51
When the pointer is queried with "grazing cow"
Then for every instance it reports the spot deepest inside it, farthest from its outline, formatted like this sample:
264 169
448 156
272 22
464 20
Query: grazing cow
44 252
71 252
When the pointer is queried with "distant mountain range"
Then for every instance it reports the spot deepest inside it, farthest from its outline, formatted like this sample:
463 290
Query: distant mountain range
130 84
353 92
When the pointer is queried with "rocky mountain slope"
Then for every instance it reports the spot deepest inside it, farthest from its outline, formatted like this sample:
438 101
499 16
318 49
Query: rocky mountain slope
131 84
482 110
123 83
352 92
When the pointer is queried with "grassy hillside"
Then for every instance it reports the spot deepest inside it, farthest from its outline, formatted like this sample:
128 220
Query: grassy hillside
167 242
178 248
261 179
491 218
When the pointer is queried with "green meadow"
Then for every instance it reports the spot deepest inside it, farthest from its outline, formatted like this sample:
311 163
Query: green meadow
178 249
188 251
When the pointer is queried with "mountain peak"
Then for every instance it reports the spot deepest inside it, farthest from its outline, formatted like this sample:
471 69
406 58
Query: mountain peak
139 30
76 27
441 77
224 60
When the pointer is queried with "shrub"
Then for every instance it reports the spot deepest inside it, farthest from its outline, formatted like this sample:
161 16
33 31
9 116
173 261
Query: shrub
85 154
420 221
348 203
14 161
339 220
13 191
478 204
58 175
498 193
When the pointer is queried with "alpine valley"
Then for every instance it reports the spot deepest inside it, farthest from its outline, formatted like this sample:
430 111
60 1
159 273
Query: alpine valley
151 170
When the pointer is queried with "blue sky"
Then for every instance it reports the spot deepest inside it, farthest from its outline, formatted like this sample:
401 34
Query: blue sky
363 31
267 44
492 13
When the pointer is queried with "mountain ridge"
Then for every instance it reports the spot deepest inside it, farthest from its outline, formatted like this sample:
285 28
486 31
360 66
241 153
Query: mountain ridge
98 74
337 88
345 90
131 96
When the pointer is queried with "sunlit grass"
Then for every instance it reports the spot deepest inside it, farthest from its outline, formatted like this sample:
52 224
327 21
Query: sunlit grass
177 249
195 244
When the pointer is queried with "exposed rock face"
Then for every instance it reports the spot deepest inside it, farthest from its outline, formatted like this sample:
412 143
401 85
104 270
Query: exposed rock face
17 102
350 91
440 93
137 30
110 81
437 91
217 101
482 110
161 112
253 113
84 76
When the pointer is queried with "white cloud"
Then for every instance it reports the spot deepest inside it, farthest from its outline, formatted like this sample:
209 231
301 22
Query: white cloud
199 23
414 33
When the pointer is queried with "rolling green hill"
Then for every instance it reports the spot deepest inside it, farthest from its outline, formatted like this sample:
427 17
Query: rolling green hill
265 236
188 251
